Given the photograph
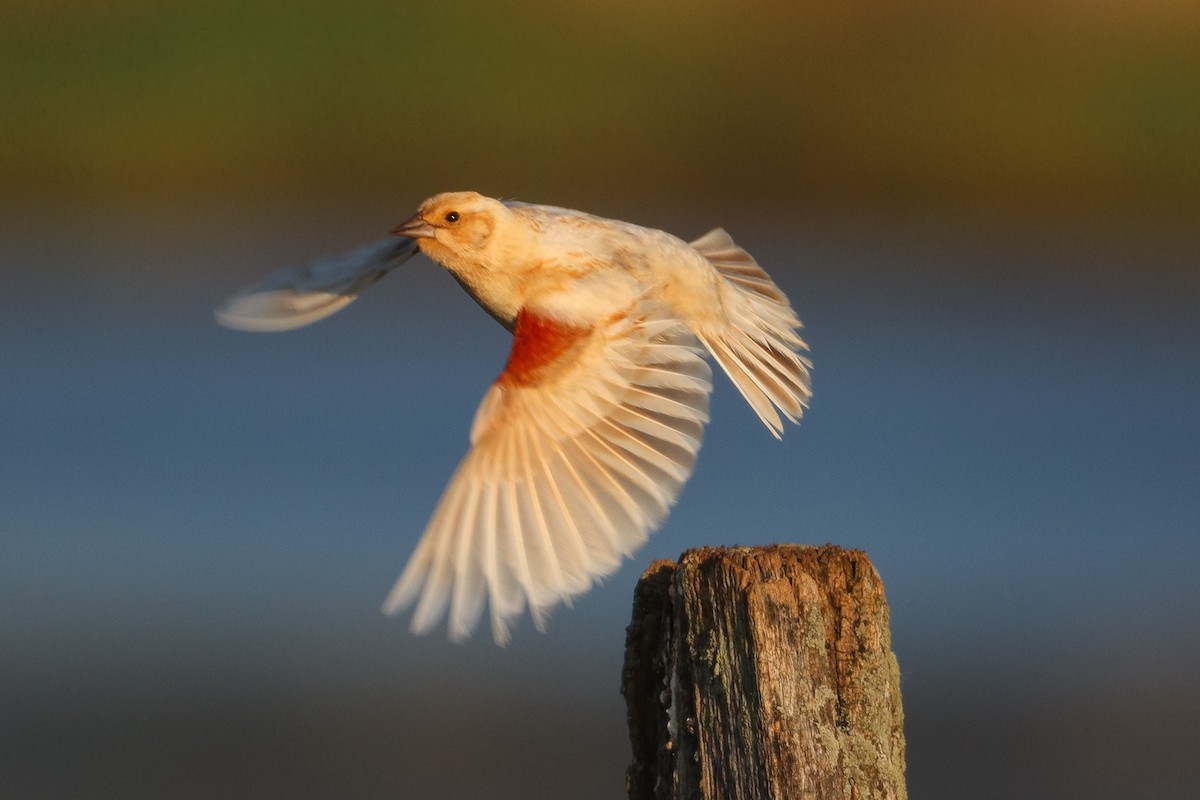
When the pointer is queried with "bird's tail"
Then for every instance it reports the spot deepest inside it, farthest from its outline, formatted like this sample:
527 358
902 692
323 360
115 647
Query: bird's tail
759 347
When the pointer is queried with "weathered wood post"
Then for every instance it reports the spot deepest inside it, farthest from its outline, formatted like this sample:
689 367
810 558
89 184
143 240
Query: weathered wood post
766 672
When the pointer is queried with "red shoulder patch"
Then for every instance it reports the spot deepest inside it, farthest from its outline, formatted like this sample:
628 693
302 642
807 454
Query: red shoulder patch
538 344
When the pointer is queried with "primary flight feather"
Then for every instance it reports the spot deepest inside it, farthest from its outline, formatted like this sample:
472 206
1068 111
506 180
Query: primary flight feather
582 444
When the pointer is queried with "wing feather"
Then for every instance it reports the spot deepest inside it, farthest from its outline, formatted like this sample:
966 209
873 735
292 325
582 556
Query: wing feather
295 297
757 343
466 603
438 566
546 567
576 572
579 450
598 533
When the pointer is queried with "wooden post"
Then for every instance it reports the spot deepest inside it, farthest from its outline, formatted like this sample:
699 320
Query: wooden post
765 672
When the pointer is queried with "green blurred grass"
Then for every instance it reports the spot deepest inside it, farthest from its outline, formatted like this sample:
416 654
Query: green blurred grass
1090 108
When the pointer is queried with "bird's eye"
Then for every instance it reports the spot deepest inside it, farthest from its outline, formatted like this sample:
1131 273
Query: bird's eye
451 216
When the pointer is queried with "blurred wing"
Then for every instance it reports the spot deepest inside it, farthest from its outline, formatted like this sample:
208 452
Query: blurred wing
580 448
298 296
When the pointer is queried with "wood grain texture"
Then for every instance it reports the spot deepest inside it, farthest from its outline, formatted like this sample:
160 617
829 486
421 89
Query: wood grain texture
763 673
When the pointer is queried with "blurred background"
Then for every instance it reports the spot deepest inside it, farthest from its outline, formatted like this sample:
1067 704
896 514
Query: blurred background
986 214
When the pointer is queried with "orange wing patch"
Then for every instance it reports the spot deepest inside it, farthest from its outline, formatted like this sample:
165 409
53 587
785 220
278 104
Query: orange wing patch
539 343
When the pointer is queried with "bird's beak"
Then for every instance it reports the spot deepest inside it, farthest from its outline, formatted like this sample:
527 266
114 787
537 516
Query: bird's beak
415 228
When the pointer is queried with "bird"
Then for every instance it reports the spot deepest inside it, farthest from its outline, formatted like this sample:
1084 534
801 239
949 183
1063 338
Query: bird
583 442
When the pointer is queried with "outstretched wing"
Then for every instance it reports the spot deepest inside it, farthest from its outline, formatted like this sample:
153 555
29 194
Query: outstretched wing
298 296
579 449
760 346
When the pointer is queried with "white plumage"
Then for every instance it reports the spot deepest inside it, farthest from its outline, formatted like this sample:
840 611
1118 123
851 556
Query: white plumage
581 446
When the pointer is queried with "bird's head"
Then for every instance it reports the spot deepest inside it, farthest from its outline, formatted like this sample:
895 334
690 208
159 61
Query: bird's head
455 227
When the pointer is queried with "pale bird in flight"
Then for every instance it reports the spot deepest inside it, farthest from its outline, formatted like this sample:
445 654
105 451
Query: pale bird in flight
583 443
